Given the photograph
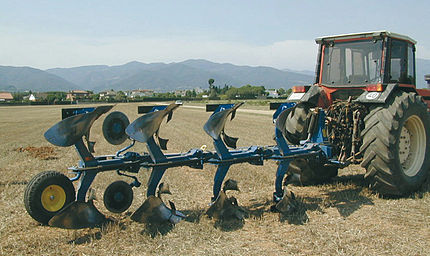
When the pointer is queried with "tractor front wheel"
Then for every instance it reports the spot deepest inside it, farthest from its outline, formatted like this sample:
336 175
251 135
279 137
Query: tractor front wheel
46 194
395 145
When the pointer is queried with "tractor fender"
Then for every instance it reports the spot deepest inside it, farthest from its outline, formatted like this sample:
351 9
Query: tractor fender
378 97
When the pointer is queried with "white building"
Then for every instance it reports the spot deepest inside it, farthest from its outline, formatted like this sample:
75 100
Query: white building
272 93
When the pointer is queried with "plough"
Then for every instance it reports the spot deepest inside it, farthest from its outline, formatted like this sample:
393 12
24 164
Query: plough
50 197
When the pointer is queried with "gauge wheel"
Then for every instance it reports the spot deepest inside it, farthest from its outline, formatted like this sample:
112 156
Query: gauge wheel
46 194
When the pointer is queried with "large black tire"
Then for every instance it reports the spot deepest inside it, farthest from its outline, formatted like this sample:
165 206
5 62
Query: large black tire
297 124
46 194
312 172
395 145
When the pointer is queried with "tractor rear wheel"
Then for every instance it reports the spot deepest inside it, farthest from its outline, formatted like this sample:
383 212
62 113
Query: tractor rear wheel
395 145
297 124
46 194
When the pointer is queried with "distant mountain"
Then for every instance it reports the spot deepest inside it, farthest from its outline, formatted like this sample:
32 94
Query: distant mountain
26 78
243 75
101 77
183 75
169 77
303 72
188 74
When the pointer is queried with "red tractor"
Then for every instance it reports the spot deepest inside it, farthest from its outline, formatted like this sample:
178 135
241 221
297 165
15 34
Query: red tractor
375 115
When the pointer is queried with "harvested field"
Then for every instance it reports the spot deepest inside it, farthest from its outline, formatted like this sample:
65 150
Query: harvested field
342 217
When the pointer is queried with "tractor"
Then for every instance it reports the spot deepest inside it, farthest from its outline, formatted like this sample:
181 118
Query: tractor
375 115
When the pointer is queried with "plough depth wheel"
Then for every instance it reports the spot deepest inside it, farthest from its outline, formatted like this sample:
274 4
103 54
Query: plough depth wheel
118 196
114 128
46 194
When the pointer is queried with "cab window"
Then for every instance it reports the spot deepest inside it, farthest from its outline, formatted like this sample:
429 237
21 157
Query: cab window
401 63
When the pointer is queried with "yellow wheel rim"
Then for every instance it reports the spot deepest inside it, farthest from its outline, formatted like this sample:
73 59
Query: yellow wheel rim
53 198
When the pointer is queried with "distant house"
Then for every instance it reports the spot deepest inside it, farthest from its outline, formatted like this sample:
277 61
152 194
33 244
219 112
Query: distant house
6 96
198 90
107 95
181 93
31 97
272 93
140 93
77 94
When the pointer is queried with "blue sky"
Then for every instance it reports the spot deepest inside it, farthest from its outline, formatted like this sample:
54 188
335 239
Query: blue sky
47 34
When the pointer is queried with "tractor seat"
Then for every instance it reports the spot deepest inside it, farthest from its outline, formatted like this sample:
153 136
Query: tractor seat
69 131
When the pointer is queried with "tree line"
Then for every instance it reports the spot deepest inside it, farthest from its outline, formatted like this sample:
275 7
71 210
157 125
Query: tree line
213 93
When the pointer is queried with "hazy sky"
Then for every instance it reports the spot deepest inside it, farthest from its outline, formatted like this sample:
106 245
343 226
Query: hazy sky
47 34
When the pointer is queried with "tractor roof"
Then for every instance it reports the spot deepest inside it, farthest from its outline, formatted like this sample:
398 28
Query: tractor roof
365 35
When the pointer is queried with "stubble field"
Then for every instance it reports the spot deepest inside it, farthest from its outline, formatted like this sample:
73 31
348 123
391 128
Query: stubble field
342 217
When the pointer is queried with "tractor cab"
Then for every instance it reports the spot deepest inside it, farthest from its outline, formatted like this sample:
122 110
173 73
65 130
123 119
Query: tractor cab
354 74
351 64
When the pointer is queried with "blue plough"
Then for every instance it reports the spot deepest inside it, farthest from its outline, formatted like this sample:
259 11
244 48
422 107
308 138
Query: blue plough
75 127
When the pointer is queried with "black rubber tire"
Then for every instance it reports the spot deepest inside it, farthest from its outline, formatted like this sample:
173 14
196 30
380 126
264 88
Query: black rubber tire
297 124
381 137
114 127
118 196
312 172
33 194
